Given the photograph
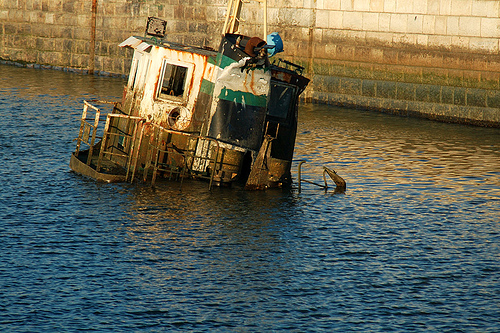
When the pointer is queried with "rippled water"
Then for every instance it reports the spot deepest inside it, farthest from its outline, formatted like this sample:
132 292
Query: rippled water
413 245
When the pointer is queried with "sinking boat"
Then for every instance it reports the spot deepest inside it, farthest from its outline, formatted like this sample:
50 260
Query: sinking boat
226 115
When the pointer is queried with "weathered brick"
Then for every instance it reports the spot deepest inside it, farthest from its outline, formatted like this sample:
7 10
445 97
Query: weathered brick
434 93
459 96
327 83
350 86
476 97
489 80
386 89
471 78
68 6
493 99
491 115
455 77
369 88
447 94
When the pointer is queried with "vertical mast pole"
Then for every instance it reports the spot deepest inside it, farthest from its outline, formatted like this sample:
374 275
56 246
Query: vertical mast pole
232 22
228 16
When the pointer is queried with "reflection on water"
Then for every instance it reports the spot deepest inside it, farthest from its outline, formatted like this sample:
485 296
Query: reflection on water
382 153
398 146
412 245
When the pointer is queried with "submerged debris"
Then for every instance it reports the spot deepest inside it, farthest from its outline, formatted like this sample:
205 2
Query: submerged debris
340 184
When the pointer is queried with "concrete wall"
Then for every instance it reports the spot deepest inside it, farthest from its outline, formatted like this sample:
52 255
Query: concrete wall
433 58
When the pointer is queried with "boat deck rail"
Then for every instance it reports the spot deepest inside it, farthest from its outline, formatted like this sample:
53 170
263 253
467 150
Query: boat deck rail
123 138
160 150
89 134
131 142
88 129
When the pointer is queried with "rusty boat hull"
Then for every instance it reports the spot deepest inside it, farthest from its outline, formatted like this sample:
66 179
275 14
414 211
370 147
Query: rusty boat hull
224 116
79 166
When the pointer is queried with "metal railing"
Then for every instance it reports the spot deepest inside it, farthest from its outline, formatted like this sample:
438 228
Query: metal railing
88 135
164 156
88 130
131 143
340 184
123 136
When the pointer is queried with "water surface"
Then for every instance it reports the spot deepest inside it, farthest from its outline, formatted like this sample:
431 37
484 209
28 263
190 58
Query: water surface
413 245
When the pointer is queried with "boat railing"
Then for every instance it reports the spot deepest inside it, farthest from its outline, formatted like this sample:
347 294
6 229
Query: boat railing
285 64
164 157
122 142
130 143
90 133
88 128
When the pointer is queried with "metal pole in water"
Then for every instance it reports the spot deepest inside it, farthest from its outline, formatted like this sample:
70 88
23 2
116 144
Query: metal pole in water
300 177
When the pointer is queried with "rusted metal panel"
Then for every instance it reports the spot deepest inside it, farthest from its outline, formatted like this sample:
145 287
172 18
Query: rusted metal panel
149 105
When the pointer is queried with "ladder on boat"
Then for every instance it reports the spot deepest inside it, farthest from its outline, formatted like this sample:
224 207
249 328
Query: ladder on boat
88 130
120 146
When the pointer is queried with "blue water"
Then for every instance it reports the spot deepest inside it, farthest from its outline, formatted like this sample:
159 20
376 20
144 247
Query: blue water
412 246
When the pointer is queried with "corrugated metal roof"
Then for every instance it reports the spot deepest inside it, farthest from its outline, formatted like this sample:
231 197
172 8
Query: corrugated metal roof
135 43
144 44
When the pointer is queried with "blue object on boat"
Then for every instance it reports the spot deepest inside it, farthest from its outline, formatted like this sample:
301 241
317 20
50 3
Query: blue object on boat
274 39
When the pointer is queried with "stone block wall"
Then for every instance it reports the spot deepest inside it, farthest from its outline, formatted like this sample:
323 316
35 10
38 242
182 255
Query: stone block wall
58 32
45 32
433 58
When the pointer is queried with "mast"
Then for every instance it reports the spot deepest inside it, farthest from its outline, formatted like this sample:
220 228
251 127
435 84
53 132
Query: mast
232 22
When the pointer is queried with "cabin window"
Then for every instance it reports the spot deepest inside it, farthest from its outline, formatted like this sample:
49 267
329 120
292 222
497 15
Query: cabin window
174 81
282 96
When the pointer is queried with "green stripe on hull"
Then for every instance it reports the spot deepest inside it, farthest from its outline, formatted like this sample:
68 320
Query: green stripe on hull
241 97
212 60
224 61
207 87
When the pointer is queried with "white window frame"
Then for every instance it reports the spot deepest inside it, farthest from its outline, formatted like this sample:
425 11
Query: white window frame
139 69
187 82
132 78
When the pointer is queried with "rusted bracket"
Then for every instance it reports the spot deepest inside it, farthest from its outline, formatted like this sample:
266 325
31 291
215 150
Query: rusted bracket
339 181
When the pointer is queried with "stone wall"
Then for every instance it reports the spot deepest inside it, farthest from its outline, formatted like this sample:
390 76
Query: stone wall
433 58
58 32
